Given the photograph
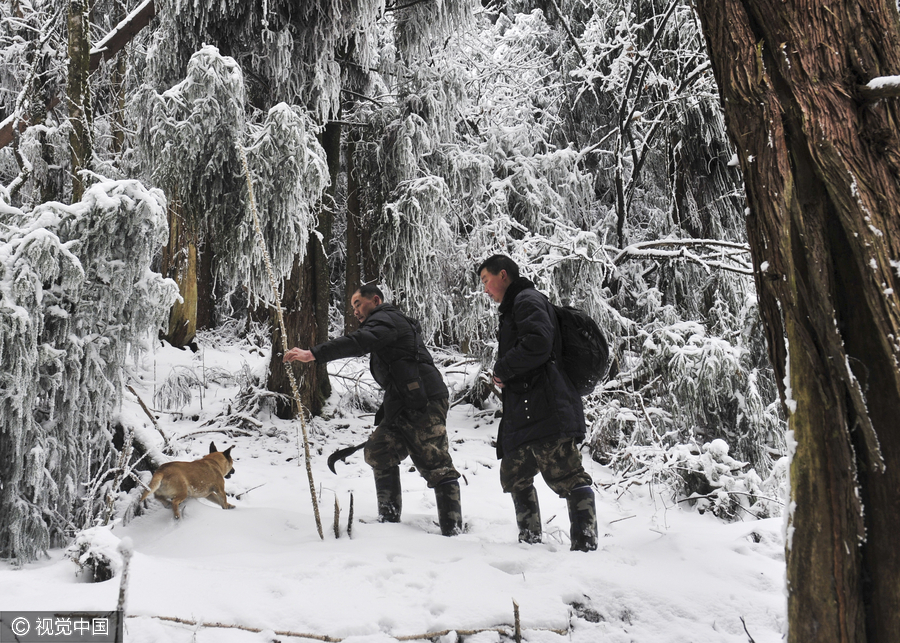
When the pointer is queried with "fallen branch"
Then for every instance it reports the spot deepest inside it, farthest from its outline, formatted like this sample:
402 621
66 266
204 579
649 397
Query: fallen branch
746 630
230 431
122 33
231 626
244 493
149 414
502 629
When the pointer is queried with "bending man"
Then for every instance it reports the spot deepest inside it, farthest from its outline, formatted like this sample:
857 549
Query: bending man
413 415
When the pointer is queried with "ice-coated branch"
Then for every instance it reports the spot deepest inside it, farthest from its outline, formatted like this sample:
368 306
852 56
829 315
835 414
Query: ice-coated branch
714 253
122 33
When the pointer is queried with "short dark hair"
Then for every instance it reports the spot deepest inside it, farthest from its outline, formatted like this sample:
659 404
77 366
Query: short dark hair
369 291
496 263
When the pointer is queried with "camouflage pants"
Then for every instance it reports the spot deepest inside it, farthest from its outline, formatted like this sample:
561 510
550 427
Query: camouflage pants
420 434
559 462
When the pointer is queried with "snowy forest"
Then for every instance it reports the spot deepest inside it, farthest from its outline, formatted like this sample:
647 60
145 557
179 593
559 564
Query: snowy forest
173 171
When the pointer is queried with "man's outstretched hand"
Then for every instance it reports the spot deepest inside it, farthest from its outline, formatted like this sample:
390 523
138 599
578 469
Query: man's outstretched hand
299 355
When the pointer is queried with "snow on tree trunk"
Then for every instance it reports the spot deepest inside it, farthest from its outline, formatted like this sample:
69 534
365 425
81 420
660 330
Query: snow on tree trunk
820 165
77 299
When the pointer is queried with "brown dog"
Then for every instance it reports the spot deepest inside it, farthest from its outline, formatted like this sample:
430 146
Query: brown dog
204 478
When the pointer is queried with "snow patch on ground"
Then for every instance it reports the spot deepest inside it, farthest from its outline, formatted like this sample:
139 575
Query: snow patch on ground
662 574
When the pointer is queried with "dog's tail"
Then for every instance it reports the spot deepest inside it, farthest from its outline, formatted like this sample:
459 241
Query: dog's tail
155 481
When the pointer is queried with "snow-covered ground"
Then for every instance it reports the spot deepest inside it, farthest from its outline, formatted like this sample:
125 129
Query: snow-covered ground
662 574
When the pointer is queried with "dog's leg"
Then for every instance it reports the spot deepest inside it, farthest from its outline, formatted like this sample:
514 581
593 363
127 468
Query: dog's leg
152 487
176 502
218 495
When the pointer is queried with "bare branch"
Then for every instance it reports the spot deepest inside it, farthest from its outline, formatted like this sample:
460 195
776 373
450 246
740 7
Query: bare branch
394 7
572 38
362 97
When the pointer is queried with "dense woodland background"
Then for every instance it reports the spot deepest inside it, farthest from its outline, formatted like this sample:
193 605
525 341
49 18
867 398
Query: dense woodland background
399 143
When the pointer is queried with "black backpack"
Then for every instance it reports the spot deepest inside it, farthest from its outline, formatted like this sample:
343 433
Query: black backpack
585 352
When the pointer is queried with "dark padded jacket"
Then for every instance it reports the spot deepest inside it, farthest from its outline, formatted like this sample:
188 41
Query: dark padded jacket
539 401
399 361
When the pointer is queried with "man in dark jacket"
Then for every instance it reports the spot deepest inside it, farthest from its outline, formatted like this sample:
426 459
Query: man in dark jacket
543 417
413 416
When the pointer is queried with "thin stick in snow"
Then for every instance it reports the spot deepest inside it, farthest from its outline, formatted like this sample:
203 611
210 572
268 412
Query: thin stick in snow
518 625
337 517
350 518
276 302
126 549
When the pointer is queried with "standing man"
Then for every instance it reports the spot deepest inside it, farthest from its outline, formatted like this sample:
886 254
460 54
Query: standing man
543 417
413 416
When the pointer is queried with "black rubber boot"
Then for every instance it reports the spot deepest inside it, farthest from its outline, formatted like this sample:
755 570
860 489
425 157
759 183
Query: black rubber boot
446 495
583 519
387 489
528 515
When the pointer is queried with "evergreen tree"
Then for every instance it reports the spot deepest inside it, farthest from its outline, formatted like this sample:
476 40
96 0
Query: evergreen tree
77 301
586 141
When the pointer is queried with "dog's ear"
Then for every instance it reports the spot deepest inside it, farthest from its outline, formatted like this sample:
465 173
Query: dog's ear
212 447
227 452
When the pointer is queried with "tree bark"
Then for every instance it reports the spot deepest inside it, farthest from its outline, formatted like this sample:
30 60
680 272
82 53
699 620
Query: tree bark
78 93
117 81
206 295
179 263
300 327
354 252
305 301
821 170
331 143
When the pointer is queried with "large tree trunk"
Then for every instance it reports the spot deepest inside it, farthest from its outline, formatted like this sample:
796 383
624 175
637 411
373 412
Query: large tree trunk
78 93
118 85
354 252
821 170
206 295
331 142
179 263
304 301
300 328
